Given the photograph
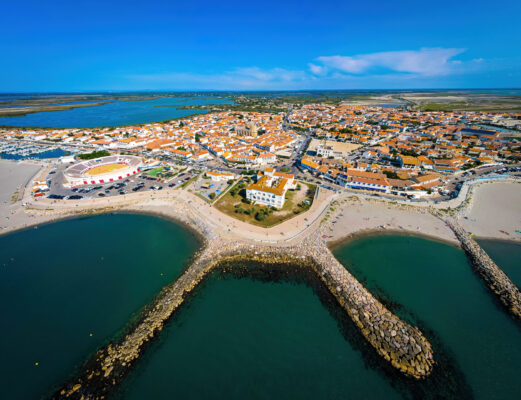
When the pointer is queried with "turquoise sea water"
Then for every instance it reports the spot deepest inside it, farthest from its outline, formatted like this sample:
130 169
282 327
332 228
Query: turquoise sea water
244 335
114 114
253 339
507 255
67 280
432 284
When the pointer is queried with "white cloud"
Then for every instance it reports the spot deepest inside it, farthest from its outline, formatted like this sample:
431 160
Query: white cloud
317 69
424 62
427 67
239 78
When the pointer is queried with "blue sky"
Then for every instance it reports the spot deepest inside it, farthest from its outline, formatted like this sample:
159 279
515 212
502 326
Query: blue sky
241 45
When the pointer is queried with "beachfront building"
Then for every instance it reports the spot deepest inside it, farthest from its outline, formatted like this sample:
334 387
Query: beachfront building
220 176
355 179
270 188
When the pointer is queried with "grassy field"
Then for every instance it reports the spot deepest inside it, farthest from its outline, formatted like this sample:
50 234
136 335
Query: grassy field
235 204
155 171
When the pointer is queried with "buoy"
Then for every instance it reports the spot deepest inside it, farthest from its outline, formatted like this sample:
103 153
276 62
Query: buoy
90 334
161 274
36 363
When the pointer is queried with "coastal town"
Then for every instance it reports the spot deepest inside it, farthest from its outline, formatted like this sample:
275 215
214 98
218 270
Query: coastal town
279 189
279 200
378 150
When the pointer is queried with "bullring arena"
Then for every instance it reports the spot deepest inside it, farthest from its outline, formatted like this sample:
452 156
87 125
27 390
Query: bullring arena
102 170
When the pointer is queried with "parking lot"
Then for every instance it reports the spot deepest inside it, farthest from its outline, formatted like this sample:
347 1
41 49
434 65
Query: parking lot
139 182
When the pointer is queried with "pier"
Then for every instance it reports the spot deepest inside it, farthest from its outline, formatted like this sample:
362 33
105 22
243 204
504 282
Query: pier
500 284
401 344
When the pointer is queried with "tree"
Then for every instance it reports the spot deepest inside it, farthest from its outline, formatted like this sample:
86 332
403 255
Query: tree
391 175
94 154
212 195
260 216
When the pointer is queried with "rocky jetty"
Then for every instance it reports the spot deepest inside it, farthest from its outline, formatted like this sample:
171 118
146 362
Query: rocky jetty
402 345
507 292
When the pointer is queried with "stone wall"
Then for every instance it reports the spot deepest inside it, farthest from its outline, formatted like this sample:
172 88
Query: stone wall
399 343
403 345
507 292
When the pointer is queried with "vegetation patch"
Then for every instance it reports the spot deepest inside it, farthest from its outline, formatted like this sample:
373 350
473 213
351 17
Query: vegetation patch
93 155
235 204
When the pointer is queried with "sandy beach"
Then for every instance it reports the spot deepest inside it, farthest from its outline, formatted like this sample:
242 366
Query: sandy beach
14 176
494 207
356 216
494 211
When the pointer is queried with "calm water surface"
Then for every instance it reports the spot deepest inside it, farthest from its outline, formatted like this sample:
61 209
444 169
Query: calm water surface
507 255
114 114
244 336
56 153
65 281
248 339
432 284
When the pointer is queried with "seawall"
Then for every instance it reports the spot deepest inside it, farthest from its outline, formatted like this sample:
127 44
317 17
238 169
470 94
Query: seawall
507 292
402 345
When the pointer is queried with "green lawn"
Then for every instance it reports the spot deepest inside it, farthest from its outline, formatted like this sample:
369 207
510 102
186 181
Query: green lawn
237 207
155 171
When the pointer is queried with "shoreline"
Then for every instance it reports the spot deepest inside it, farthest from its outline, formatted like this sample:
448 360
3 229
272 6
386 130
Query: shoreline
331 244
384 332
403 346
374 232
194 114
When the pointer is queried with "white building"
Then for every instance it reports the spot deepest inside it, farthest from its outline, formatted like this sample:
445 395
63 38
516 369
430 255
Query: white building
219 176
270 188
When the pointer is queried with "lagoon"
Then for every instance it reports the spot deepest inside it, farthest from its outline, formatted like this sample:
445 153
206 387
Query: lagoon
115 113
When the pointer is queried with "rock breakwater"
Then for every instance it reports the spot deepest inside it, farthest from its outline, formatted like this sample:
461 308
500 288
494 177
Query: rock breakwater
507 292
402 345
